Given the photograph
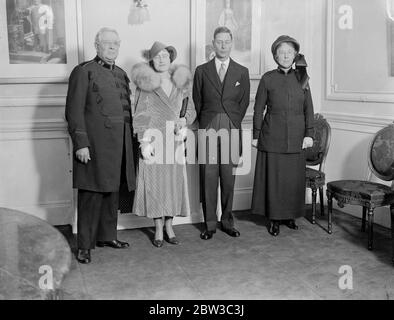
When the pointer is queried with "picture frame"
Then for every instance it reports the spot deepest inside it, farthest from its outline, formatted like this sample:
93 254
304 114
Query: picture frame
243 16
357 31
38 43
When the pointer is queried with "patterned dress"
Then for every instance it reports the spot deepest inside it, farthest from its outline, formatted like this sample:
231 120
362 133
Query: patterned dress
162 187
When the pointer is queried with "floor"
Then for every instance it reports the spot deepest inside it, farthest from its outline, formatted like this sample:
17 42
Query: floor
34 257
302 264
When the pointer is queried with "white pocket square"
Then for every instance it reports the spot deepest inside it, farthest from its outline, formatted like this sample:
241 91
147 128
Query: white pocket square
237 84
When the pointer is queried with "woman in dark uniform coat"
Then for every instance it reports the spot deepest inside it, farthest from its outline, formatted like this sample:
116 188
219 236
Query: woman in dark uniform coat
283 133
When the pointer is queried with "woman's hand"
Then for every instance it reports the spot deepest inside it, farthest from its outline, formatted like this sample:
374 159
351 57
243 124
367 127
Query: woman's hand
182 134
147 150
307 143
180 124
254 143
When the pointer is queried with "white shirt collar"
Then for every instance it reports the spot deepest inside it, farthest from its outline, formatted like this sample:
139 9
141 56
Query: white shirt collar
218 64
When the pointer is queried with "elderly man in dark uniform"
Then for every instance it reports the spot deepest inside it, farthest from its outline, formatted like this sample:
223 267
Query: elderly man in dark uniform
221 92
98 112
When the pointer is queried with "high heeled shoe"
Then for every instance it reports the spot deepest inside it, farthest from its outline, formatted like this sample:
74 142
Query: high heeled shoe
172 240
157 243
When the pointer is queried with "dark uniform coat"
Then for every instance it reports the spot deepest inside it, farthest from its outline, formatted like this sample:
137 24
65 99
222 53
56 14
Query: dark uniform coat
99 117
289 113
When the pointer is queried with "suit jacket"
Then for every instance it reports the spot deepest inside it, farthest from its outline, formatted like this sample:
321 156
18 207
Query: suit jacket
289 113
98 113
211 97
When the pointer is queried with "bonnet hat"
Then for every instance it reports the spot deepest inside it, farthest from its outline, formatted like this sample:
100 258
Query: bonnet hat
284 38
156 48
299 60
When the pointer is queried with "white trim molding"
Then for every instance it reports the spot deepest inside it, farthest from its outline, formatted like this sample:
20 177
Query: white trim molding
357 122
33 126
33 101
43 129
59 212
45 205
364 119
332 90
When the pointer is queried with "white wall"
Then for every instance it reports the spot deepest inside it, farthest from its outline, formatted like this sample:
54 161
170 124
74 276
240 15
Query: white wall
170 24
349 100
38 179
35 157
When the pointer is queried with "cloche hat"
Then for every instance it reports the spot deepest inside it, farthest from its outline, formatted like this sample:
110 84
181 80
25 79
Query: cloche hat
156 48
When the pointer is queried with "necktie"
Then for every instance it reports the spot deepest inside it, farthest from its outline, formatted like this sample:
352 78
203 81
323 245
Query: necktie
222 72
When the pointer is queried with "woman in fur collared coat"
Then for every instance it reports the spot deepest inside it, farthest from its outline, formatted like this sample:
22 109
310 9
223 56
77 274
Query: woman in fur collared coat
162 92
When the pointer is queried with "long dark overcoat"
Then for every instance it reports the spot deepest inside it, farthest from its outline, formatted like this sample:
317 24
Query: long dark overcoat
95 112
283 113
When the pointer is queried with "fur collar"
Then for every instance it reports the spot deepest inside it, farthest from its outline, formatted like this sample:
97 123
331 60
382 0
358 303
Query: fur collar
145 78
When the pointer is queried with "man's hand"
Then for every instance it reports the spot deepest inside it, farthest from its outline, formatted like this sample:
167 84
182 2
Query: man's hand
307 143
254 143
83 155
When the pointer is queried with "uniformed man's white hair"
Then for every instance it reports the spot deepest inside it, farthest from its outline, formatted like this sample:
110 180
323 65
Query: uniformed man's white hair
101 31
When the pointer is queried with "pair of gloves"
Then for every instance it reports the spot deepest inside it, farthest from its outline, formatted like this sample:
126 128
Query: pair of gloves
306 143
147 149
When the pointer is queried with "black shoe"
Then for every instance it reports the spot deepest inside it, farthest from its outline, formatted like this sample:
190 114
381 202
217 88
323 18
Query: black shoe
232 232
172 240
113 244
290 224
206 235
274 228
83 256
157 243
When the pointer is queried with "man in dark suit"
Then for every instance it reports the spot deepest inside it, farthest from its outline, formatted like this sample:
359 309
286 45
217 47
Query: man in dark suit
221 92
98 112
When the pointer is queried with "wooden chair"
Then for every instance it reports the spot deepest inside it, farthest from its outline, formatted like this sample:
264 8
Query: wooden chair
316 155
369 195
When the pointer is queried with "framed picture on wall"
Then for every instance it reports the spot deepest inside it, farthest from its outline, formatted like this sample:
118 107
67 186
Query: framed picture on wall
242 17
358 32
38 40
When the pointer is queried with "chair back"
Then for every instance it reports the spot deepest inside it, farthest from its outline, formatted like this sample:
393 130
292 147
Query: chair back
381 153
316 155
